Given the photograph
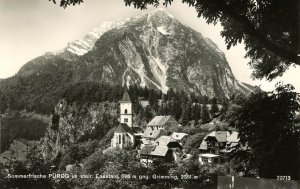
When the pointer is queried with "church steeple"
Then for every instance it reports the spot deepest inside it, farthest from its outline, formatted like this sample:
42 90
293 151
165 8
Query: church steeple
126 97
126 109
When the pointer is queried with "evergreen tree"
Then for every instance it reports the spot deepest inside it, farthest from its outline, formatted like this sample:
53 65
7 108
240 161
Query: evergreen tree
137 108
214 107
148 114
153 100
196 112
223 110
193 97
161 110
204 114
146 93
170 94
205 99
186 113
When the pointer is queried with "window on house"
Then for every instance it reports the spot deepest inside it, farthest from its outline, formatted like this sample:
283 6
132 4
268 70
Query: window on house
123 139
204 159
119 139
125 111
126 120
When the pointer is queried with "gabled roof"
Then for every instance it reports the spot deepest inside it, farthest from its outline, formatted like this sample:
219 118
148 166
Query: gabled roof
123 128
160 151
152 133
126 97
164 140
154 150
160 120
233 137
220 136
203 145
178 136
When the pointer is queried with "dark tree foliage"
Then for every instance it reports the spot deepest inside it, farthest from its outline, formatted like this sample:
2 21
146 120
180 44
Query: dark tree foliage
205 117
65 3
214 107
268 28
34 164
196 112
223 110
186 113
55 121
93 92
148 114
266 123
20 127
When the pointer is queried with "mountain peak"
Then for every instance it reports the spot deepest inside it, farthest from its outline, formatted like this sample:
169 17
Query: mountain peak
153 50
84 45
161 12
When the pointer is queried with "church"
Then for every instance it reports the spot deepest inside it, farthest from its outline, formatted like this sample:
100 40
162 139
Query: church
125 135
151 143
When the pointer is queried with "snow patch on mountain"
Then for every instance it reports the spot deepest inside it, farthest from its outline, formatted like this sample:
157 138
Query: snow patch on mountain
163 30
82 46
77 50
160 10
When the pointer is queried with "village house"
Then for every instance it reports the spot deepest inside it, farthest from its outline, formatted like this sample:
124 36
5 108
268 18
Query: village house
217 146
180 137
165 147
155 128
149 136
162 122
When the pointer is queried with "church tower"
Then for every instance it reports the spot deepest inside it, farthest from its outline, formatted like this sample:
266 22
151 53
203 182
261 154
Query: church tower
126 109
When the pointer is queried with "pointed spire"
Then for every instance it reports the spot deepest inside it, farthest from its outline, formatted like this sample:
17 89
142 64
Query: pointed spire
126 97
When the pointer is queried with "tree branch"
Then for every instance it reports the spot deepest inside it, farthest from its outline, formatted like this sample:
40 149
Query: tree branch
257 36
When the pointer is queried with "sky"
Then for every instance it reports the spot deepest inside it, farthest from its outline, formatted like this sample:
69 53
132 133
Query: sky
30 28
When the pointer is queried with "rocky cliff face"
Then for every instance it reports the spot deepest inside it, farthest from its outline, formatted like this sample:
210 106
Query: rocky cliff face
153 50
76 123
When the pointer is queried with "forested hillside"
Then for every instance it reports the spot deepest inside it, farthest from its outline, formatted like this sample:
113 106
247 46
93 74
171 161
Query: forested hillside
22 125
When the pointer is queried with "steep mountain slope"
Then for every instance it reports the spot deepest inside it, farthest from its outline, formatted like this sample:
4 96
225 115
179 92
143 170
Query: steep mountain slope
153 50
